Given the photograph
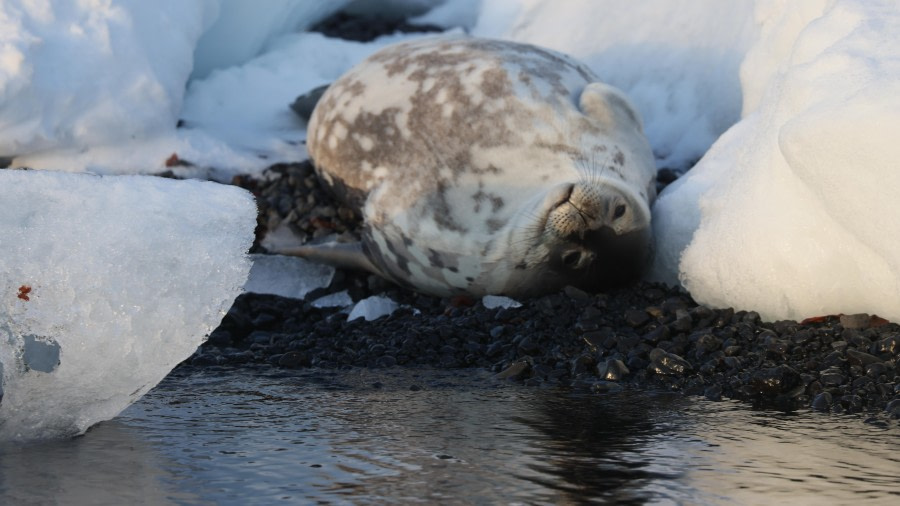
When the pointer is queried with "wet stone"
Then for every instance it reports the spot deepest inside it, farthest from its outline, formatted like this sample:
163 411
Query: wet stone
713 392
656 335
839 345
889 345
851 403
893 408
636 317
832 378
708 343
822 402
612 370
860 358
775 380
516 370
293 360
663 362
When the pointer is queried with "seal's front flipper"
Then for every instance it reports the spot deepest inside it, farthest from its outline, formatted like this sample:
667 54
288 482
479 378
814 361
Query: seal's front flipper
305 103
345 255
608 105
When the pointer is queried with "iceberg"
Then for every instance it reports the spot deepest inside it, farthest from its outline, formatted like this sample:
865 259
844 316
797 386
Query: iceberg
106 284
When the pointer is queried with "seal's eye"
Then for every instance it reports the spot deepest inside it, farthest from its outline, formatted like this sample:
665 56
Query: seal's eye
619 211
571 258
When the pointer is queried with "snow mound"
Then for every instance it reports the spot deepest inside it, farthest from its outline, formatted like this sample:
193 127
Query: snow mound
107 283
793 211
79 74
287 276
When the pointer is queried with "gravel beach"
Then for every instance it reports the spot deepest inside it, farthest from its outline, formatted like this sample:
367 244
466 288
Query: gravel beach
647 335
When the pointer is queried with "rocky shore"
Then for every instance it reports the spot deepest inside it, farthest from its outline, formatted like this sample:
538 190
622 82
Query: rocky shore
646 334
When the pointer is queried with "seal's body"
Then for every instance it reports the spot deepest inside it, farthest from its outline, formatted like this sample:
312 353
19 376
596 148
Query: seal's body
486 167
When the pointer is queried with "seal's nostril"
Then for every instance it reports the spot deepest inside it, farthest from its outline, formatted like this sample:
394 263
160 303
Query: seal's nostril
571 258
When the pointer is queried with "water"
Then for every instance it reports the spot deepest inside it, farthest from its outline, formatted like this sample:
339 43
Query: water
249 437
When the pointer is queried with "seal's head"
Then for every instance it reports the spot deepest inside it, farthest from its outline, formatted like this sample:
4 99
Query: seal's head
592 235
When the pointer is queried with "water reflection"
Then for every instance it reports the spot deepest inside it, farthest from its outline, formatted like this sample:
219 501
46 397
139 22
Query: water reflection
111 464
239 437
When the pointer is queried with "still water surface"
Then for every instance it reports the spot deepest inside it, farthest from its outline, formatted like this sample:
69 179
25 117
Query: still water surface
263 437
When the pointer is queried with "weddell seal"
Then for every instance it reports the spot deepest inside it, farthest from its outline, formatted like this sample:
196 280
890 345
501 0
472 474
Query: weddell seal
485 167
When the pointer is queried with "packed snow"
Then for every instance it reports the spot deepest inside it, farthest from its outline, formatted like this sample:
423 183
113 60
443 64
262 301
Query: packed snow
787 106
106 284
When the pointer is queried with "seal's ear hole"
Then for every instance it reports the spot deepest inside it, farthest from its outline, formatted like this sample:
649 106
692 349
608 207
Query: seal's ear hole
619 211
571 258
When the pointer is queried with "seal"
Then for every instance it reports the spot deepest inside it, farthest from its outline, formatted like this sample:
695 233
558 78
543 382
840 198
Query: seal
485 167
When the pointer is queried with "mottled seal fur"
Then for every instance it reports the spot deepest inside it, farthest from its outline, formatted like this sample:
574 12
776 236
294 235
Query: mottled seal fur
485 167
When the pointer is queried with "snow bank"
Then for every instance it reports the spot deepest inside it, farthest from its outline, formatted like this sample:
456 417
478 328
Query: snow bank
80 74
793 211
105 285
677 60
87 87
242 29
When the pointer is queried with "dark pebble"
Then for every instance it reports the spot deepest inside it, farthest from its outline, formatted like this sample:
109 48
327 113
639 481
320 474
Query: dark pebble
893 408
294 359
636 317
860 358
662 362
822 402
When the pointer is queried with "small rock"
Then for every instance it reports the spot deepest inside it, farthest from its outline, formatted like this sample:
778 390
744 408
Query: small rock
775 380
851 403
713 392
517 369
612 370
576 293
893 408
293 360
860 358
889 345
831 378
670 364
636 317
822 402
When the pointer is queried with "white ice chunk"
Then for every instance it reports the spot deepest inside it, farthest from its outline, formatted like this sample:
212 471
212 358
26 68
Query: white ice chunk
373 308
793 212
495 301
339 299
287 276
107 283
